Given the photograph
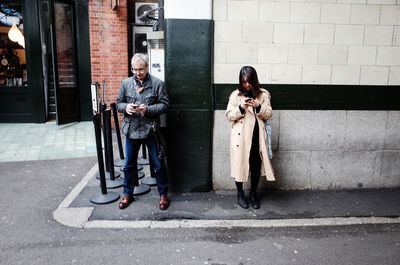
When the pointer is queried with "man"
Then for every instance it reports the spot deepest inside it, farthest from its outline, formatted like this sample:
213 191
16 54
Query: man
142 98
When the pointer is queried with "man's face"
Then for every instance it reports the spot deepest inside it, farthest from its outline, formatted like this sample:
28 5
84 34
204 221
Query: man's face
139 69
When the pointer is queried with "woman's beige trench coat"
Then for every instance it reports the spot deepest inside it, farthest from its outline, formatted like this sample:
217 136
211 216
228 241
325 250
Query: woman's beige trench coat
242 133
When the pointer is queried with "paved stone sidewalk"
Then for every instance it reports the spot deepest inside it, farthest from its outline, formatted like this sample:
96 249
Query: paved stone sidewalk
279 208
45 141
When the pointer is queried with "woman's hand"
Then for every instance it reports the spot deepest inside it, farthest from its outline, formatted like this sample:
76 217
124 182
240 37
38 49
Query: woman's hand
244 105
252 103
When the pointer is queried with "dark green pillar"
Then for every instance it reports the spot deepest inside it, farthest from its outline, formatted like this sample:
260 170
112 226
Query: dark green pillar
188 77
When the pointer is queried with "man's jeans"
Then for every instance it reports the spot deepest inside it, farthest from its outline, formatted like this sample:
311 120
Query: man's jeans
132 147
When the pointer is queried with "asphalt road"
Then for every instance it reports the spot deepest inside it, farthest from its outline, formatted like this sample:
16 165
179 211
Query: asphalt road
31 191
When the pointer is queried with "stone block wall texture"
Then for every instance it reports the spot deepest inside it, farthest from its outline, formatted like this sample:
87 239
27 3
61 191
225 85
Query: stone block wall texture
351 42
322 150
329 42
108 46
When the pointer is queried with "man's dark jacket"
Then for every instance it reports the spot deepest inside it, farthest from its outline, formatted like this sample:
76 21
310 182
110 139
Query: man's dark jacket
153 94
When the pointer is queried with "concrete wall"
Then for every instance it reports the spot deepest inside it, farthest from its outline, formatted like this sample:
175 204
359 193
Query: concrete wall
322 150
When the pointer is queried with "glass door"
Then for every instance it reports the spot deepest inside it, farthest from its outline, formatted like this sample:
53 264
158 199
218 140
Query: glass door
59 60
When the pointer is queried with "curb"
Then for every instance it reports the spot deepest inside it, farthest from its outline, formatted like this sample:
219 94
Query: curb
249 223
78 217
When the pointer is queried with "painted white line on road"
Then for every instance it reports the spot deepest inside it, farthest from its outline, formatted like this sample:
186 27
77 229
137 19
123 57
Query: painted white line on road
335 221
78 188
117 224
75 217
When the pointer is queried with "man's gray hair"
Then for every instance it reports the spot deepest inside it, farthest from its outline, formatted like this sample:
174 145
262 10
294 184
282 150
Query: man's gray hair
140 57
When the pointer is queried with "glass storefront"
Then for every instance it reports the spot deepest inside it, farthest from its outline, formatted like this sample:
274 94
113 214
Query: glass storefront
44 61
12 45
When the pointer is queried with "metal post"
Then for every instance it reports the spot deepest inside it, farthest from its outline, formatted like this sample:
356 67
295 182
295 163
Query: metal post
118 162
140 167
104 197
143 160
106 149
151 181
102 110
112 183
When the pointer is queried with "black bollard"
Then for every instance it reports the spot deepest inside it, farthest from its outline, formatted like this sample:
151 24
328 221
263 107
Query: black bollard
104 197
118 162
151 181
102 109
112 183
143 160
106 149
139 167
142 188
140 173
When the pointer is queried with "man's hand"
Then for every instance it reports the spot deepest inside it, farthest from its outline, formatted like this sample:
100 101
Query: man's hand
131 108
142 109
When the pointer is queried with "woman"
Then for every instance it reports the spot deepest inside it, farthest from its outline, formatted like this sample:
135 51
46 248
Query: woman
249 106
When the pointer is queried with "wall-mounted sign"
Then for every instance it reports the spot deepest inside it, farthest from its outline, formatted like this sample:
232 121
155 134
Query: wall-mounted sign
94 97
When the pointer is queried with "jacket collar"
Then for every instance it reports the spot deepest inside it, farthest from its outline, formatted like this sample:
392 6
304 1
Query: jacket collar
147 77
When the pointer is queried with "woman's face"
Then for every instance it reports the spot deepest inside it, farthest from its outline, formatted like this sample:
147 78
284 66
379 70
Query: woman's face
246 84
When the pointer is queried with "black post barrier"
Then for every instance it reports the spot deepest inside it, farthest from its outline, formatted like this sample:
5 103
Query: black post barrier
112 183
142 188
106 149
102 110
143 160
151 181
118 162
140 173
144 151
104 197
140 167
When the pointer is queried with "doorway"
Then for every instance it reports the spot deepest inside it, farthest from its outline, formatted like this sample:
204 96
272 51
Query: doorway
59 60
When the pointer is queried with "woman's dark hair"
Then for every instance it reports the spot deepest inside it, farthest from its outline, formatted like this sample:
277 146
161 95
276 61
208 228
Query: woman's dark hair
251 74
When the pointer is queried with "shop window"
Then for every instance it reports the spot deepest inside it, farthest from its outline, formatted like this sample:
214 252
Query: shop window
12 45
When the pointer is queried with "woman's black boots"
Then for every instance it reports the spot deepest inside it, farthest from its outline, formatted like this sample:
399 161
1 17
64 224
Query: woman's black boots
241 200
254 200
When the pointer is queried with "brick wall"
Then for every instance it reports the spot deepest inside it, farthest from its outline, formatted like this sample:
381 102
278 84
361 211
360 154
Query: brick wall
354 42
108 45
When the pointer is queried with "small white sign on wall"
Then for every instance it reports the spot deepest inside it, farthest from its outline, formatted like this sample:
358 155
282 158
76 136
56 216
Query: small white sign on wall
94 97
157 63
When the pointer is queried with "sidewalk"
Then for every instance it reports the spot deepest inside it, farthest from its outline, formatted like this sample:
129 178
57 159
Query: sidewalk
75 142
222 205
220 209
45 141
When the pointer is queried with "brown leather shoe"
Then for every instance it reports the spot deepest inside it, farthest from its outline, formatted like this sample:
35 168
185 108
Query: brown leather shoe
126 200
164 203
